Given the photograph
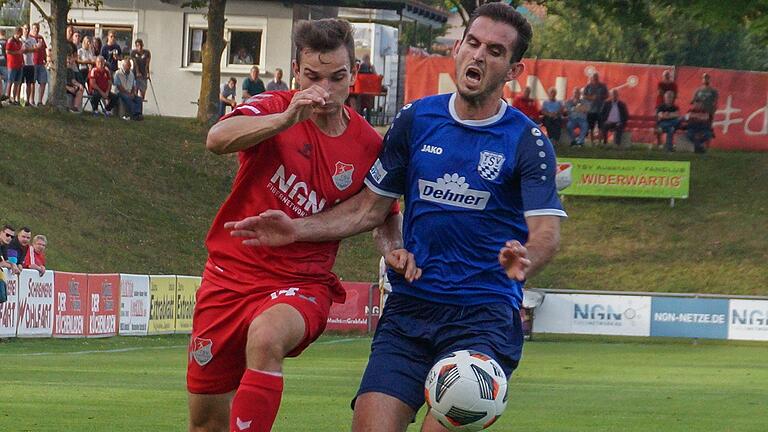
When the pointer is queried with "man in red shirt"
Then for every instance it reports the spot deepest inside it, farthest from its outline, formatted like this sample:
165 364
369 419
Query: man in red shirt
39 56
35 258
100 86
527 105
300 152
14 50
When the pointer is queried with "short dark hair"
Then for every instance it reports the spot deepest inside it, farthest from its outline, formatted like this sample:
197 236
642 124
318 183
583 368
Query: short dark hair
323 36
505 13
8 227
26 229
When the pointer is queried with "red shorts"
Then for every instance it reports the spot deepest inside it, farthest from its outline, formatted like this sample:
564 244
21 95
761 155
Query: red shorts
220 328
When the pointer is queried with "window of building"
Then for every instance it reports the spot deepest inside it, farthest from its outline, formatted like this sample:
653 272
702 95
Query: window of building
245 47
245 37
197 37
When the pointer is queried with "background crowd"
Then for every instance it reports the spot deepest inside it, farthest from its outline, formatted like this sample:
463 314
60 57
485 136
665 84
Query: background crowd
22 251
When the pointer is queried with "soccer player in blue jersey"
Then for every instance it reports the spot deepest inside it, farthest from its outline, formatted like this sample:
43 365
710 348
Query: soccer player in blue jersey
481 215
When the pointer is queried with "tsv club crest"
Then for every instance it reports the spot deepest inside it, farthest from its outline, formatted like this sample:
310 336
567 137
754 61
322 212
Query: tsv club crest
342 178
201 350
490 164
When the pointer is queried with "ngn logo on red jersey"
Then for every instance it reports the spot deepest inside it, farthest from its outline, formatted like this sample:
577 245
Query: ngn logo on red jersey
302 203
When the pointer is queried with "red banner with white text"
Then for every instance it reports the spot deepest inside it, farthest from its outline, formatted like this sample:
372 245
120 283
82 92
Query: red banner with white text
70 304
352 315
104 302
741 120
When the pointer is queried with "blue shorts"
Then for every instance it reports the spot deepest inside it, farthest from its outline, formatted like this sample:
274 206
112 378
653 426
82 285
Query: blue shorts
14 75
414 334
41 74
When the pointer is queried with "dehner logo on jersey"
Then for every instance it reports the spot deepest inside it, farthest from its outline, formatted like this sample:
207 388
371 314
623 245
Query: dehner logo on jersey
302 203
451 189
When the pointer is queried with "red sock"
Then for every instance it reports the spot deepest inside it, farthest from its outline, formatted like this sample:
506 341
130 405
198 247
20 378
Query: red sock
256 402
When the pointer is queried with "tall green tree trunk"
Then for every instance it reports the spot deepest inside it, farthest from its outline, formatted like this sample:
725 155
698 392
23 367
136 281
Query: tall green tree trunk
208 107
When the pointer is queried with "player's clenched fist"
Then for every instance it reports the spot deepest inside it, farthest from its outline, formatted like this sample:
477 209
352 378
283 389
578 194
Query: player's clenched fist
514 258
303 102
271 228
403 262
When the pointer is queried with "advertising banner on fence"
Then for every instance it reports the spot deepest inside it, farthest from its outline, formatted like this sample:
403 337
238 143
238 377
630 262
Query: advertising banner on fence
748 320
162 310
9 311
134 304
741 120
352 315
70 304
625 178
35 304
594 314
689 317
104 296
186 287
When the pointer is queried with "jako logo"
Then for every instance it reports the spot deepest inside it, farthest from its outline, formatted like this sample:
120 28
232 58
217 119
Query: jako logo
432 149
306 200
749 317
452 190
596 312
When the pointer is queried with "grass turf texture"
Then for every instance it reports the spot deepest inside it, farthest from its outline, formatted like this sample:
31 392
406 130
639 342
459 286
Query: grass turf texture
564 383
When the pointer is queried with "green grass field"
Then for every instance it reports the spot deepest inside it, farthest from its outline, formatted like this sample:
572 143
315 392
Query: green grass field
563 384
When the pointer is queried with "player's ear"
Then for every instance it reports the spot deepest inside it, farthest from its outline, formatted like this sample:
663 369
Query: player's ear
353 73
295 68
515 70
456 46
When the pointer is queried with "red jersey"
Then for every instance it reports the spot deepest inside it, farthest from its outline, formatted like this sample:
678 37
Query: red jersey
528 107
34 258
300 171
101 76
15 61
39 55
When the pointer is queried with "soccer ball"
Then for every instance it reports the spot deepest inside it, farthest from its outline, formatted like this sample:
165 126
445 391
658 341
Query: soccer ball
466 391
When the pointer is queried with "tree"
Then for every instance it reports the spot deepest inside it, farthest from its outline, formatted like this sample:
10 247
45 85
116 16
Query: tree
57 22
213 47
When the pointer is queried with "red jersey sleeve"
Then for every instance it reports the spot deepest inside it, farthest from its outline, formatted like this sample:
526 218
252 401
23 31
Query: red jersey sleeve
262 104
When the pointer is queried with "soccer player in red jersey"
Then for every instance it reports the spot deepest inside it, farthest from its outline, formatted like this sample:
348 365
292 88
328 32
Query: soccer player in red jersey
302 152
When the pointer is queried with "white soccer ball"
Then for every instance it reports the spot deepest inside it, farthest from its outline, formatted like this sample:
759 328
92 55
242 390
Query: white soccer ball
466 391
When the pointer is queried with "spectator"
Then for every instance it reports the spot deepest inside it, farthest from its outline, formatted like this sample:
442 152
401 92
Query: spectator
666 84
36 257
577 108
14 50
100 86
596 93
74 86
3 66
699 121
552 116
707 95
242 57
667 120
97 46
39 59
613 117
228 96
72 47
112 52
141 59
527 105
20 243
366 67
277 83
127 91
77 39
253 85
8 257
29 44
85 58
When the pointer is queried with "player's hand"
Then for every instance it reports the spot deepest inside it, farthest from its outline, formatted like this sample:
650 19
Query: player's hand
403 262
271 228
514 258
302 103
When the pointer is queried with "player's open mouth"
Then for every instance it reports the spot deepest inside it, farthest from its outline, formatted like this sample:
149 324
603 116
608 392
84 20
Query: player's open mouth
473 75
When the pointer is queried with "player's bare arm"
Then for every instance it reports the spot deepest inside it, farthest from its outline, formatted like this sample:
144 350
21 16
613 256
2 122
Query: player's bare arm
521 262
241 132
389 242
360 213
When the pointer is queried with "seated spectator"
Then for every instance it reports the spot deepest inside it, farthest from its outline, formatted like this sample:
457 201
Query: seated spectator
127 91
577 109
227 96
552 116
527 105
100 86
242 57
366 67
277 84
253 85
613 117
36 256
20 243
699 121
73 86
8 256
666 84
667 120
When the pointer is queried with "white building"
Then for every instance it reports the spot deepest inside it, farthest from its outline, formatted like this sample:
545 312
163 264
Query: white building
175 35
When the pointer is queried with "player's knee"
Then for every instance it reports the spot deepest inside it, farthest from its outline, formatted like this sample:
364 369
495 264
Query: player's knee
211 423
264 345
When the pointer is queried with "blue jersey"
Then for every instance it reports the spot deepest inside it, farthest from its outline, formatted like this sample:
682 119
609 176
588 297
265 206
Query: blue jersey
468 186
